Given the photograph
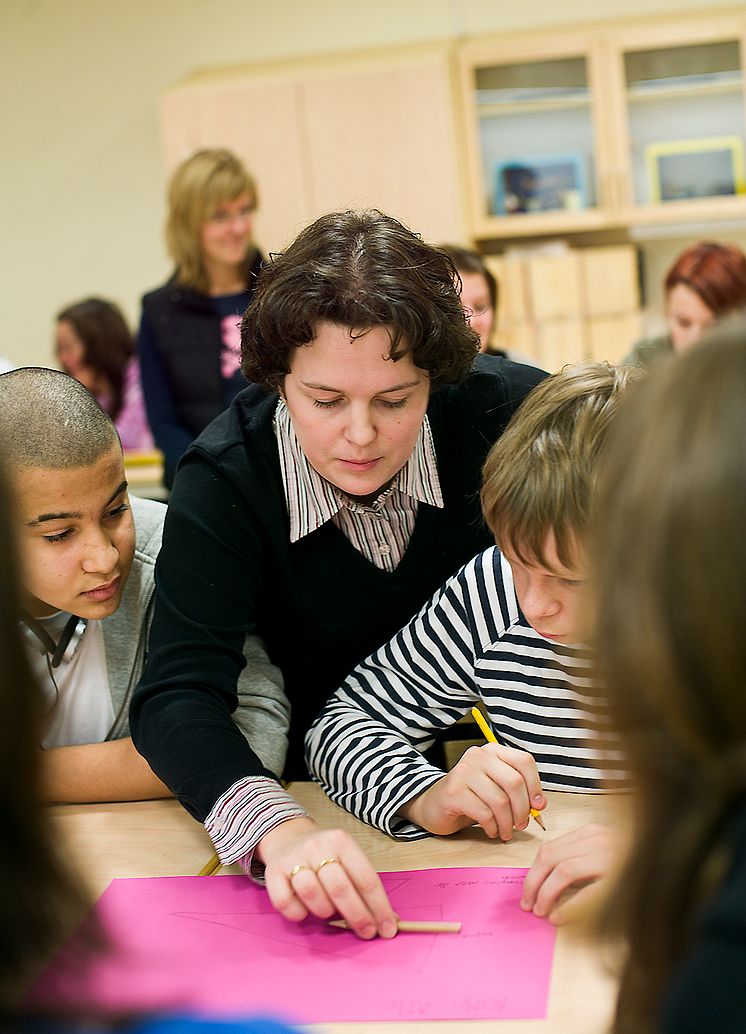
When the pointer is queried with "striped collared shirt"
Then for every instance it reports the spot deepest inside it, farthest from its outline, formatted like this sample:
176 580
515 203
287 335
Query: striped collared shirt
255 805
380 531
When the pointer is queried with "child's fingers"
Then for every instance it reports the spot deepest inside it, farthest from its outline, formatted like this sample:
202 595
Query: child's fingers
493 809
485 805
491 785
571 872
544 863
575 859
523 763
514 773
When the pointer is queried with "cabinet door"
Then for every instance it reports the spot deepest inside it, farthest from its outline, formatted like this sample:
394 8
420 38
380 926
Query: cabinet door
260 121
538 148
383 137
370 132
683 117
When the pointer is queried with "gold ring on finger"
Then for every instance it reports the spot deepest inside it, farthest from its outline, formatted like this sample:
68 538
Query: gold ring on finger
296 869
326 861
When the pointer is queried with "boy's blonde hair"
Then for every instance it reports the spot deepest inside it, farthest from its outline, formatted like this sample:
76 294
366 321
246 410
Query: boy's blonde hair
203 182
541 474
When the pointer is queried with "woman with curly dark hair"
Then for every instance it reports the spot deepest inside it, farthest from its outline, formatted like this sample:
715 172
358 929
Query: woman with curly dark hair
321 511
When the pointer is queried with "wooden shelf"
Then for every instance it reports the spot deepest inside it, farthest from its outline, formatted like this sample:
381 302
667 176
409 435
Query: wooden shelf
687 210
543 224
643 94
497 109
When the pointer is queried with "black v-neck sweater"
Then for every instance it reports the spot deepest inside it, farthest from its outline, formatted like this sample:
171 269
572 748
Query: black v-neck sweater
227 567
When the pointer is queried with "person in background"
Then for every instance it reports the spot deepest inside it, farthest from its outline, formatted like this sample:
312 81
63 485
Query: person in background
706 283
94 345
321 511
189 340
670 556
479 292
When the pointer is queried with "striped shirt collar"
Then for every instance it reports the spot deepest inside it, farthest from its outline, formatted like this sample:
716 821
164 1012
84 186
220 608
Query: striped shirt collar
312 500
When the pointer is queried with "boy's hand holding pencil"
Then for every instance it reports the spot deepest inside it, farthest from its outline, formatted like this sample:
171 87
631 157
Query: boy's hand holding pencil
491 738
496 787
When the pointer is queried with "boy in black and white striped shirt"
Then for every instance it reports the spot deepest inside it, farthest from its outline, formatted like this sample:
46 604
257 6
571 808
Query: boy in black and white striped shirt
507 631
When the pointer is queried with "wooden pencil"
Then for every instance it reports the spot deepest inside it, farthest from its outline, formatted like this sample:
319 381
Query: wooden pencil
210 867
410 926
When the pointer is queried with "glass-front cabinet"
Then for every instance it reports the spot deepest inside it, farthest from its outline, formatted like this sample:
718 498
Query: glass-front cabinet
684 122
622 126
533 148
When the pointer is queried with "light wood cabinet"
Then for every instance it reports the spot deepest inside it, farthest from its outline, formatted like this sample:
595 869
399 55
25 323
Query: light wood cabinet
590 135
577 303
617 126
259 119
364 130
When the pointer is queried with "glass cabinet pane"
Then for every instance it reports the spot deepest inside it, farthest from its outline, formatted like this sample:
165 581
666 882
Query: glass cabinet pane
686 121
535 136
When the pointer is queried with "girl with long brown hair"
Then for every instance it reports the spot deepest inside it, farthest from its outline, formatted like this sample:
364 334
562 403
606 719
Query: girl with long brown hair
671 563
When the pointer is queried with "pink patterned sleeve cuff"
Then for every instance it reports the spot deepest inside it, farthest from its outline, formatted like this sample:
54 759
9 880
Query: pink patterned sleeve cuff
245 813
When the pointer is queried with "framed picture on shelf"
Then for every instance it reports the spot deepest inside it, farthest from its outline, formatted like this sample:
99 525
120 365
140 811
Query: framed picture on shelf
541 183
710 167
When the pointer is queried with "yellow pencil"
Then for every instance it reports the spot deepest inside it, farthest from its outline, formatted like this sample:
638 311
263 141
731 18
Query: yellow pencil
491 738
211 867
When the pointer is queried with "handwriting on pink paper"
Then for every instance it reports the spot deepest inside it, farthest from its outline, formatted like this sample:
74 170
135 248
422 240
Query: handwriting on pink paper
216 944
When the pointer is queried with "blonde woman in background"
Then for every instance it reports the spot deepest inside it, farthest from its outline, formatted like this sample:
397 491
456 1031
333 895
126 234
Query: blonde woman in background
189 339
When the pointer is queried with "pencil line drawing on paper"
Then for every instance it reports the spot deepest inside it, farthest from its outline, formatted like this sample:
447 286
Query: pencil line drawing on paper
321 941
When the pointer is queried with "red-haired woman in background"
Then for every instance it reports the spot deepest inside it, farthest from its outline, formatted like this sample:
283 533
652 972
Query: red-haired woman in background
705 283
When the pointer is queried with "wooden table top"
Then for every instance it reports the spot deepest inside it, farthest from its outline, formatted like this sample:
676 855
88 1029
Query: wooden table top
159 838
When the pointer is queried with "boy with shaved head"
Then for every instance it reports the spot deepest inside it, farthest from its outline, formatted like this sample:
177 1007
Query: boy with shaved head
88 555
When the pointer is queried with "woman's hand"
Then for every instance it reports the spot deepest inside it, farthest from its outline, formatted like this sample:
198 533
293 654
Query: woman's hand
576 861
492 786
324 873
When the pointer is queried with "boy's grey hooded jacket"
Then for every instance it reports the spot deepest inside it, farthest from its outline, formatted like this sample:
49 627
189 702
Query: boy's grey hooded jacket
263 711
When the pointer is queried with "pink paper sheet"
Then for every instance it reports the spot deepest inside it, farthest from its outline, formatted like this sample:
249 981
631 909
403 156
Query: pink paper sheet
215 944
